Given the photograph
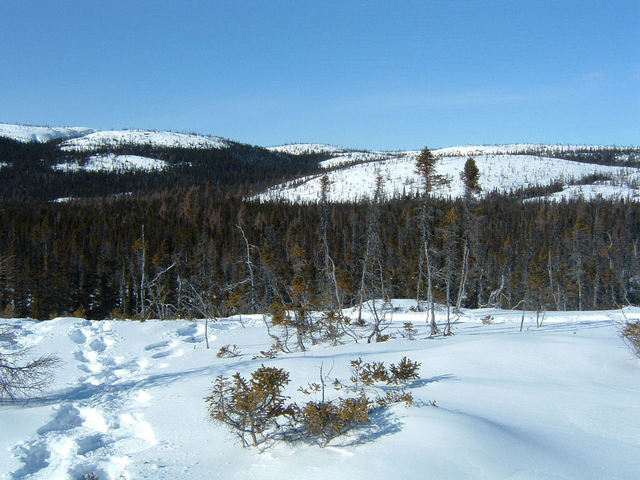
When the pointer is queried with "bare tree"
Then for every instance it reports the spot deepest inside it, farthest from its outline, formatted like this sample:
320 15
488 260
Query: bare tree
21 377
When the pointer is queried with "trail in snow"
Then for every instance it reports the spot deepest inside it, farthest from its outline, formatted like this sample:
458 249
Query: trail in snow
534 404
97 423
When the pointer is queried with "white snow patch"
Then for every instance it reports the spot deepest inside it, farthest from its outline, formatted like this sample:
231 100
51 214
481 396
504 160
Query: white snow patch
306 148
116 138
110 162
515 149
29 133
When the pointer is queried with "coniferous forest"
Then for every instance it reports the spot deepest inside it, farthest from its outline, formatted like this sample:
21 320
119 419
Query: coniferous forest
187 241
197 250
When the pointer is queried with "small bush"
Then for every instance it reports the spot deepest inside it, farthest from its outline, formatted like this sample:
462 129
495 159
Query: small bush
395 396
256 409
250 408
409 331
268 354
330 419
228 351
487 320
631 334
405 371
374 372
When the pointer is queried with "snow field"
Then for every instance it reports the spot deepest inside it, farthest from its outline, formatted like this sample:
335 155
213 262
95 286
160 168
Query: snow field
115 138
113 163
559 401
502 172
28 133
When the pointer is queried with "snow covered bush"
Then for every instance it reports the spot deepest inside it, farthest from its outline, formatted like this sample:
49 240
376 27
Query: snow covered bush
631 334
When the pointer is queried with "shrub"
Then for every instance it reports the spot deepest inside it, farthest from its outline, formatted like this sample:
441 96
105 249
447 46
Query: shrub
487 320
330 419
409 331
250 408
405 371
395 396
631 334
256 410
228 351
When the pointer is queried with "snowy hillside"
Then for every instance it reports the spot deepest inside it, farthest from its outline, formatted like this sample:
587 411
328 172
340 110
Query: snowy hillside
498 171
515 149
555 402
28 133
115 138
306 148
110 162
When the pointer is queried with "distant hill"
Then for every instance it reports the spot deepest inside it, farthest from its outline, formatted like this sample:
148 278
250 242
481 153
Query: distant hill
52 163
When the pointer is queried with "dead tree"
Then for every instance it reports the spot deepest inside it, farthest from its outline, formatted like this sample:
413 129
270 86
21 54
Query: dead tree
20 377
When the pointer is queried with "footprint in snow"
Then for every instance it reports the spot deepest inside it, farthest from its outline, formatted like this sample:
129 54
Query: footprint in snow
155 346
77 336
67 416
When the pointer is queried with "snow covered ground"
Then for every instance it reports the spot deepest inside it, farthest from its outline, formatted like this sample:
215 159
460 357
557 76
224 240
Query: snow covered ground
115 138
28 133
556 402
307 148
111 162
499 171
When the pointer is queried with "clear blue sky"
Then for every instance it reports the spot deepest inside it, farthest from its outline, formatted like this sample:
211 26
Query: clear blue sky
373 74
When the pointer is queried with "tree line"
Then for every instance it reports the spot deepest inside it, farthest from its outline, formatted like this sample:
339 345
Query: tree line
197 251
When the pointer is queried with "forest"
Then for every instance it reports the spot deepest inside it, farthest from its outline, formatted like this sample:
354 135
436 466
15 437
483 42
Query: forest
193 251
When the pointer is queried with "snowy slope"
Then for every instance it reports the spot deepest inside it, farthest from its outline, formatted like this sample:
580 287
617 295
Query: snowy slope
110 162
515 148
28 133
503 172
555 402
115 138
306 148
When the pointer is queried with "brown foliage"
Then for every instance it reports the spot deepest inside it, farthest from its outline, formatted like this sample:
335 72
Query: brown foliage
631 334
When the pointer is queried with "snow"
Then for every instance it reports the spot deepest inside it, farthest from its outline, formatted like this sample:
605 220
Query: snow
112 163
346 158
306 148
515 149
29 133
116 138
502 172
559 401
598 191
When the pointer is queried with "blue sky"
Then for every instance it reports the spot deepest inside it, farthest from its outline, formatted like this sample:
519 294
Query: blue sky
381 75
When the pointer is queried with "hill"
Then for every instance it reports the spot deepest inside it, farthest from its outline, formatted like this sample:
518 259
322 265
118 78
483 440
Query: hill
81 162
559 171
